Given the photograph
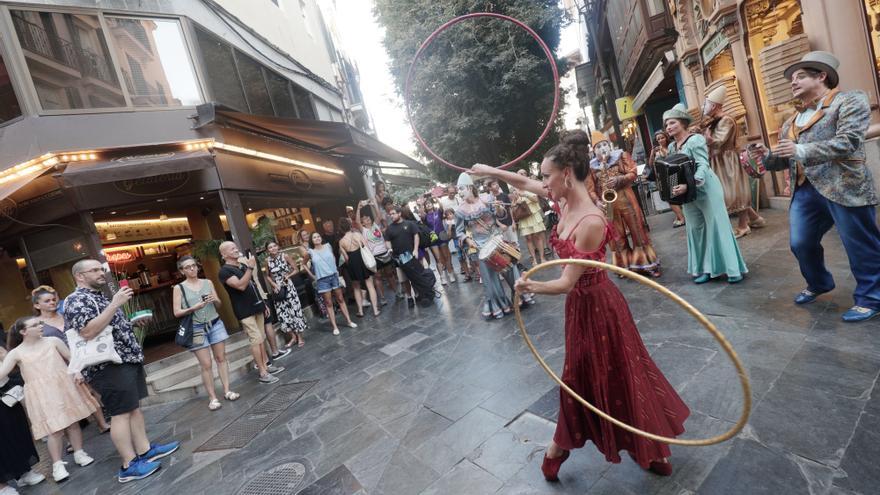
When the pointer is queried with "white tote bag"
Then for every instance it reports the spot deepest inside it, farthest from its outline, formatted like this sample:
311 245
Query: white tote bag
369 259
85 353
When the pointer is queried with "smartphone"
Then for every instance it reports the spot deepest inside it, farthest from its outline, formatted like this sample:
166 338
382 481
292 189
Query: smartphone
204 297
123 283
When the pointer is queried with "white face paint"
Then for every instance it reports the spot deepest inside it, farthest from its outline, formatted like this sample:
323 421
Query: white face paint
465 192
603 149
708 107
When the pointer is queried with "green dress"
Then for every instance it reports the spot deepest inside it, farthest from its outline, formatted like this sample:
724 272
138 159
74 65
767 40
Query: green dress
712 247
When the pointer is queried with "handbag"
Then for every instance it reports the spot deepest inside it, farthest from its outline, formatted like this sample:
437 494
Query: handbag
280 294
369 259
520 211
85 353
184 335
13 396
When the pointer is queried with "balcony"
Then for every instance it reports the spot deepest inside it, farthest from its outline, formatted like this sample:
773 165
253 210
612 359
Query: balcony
38 41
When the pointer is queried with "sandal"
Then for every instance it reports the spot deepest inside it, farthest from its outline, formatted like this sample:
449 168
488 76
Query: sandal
214 405
231 396
335 331
677 223
301 343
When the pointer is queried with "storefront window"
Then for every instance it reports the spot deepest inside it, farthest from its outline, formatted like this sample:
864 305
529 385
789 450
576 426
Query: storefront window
279 91
254 85
9 108
222 77
154 61
68 60
303 103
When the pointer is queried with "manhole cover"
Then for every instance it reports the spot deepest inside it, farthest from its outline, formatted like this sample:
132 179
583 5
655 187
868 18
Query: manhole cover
243 429
283 479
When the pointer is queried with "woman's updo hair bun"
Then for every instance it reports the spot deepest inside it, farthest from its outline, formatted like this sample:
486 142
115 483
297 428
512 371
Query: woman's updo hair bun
572 151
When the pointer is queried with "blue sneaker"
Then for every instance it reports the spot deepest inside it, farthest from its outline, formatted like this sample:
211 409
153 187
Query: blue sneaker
856 314
138 469
158 451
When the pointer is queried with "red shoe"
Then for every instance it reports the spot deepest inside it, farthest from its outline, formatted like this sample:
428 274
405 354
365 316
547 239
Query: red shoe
660 468
550 467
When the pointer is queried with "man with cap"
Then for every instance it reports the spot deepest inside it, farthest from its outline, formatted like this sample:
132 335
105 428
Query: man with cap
615 170
720 133
823 148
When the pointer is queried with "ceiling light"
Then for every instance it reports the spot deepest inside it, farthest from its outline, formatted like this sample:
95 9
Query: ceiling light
163 217
277 158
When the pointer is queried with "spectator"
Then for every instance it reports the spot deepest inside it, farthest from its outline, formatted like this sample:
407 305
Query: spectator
303 245
402 236
326 276
660 150
53 402
502 201
17 451
349 248
289 309
121 386
237 276
196 296
376 243
330 236
440 249
532 227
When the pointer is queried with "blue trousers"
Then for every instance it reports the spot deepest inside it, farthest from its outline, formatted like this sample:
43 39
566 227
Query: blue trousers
810 217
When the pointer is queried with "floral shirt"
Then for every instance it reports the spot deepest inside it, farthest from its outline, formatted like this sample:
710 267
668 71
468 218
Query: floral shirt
83 306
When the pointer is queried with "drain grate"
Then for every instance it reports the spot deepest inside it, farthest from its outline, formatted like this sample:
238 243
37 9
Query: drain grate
283 479
243 429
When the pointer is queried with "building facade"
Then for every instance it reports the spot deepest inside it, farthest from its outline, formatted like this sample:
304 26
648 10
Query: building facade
138 132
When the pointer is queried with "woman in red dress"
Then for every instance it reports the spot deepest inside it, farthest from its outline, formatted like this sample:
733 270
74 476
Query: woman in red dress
605 359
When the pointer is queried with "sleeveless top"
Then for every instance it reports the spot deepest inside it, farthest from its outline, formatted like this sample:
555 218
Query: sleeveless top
566 248
204 315
323 261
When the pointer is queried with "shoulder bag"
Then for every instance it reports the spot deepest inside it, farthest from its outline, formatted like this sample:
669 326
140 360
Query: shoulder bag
520 211
184 335
369 259
91 352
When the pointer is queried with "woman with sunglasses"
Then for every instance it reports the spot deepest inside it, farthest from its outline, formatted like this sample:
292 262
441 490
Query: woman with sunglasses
196 296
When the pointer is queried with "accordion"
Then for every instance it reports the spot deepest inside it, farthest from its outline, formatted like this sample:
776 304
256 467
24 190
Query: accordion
673 170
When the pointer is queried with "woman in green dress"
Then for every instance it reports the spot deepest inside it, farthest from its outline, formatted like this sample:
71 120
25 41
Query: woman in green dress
712 247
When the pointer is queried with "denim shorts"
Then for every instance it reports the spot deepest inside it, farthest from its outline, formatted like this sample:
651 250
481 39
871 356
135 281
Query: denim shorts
210 334
328 283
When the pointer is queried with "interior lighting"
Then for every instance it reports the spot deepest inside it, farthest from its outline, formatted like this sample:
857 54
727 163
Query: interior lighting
276 158
120 223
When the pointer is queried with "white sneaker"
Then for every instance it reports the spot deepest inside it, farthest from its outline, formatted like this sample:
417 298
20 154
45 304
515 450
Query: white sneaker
29 478
59 472
81 458
452 278
443 278
352 324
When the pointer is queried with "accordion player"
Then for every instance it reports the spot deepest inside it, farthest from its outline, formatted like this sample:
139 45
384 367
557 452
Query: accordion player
673 170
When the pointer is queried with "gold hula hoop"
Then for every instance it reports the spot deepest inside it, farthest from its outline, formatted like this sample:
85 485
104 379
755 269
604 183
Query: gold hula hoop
725 344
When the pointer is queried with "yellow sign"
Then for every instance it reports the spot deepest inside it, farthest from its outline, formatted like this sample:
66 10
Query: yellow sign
625 108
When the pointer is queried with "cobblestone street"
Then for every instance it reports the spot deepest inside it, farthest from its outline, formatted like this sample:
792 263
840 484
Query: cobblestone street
438 401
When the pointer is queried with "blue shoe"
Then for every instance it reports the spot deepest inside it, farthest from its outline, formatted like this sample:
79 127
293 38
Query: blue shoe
805 296
856 314
158 451
138 469
734 280
702 279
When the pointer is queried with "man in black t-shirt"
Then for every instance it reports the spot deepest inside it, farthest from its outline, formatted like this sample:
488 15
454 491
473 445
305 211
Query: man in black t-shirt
402 236
237 277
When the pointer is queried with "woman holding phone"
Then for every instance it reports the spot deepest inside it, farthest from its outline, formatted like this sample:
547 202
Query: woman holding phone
196 296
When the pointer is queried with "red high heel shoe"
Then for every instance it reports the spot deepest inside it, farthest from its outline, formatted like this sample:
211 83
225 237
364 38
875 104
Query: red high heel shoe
659 468
550 467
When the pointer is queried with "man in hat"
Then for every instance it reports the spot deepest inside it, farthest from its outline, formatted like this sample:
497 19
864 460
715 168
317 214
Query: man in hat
614 170
720 133
823 148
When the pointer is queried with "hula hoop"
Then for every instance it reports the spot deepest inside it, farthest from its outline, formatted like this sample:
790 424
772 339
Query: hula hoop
725 344
430 39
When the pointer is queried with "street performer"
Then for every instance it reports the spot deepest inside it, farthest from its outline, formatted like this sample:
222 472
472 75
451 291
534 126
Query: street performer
823 148
606 362
615 170
476 224
720 133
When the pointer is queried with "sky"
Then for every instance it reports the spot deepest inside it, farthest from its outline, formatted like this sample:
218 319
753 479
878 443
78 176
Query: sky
362 41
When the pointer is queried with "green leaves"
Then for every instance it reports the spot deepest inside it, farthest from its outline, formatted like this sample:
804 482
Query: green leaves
483 90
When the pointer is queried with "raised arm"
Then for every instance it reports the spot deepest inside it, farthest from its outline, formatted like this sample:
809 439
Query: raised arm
515 180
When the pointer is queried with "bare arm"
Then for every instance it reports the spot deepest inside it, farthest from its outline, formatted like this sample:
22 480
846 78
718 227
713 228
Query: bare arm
515 180
213 297
8 363
241 283
588 237
62 349
177 298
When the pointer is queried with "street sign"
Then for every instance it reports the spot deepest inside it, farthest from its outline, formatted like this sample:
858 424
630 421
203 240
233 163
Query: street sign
713 47
625 108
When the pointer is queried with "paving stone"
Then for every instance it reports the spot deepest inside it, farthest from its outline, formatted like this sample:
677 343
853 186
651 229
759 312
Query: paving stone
465 479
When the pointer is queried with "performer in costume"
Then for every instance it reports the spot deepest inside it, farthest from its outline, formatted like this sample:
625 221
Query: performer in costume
605 359
823 147
615 169
712 247
475 225
720 134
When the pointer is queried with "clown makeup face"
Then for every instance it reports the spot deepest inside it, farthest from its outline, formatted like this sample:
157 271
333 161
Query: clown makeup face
603 149
709 107
465 192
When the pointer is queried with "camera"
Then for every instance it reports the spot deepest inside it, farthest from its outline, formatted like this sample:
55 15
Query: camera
204 297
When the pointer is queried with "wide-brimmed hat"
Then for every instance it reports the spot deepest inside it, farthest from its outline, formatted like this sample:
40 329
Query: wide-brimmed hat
818 60
597 137
679 111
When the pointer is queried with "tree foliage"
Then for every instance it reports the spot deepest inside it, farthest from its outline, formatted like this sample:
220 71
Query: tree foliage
483 90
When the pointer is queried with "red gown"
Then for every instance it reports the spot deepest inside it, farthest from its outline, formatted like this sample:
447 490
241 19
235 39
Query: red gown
608 365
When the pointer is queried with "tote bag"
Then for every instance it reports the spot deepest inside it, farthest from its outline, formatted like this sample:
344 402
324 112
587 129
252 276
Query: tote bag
85 353
369 259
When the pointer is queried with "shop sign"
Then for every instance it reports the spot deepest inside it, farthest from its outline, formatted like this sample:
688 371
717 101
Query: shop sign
713 47
296 178
157 185
149 158
625 108
118 257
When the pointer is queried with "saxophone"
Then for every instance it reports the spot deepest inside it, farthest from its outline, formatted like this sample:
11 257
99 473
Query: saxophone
609 196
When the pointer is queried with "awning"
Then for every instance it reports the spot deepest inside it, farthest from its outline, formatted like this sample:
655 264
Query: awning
331 138
406 180
129 167
8 187
654 80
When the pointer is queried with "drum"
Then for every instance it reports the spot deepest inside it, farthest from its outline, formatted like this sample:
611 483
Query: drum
499 254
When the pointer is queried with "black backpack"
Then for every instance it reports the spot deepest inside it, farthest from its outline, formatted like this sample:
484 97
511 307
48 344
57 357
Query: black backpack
427 236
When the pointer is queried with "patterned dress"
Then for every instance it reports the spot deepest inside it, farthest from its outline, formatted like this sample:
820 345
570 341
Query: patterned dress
607 364
290 314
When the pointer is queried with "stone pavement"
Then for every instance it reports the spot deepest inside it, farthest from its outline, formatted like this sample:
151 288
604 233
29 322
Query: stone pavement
437 401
